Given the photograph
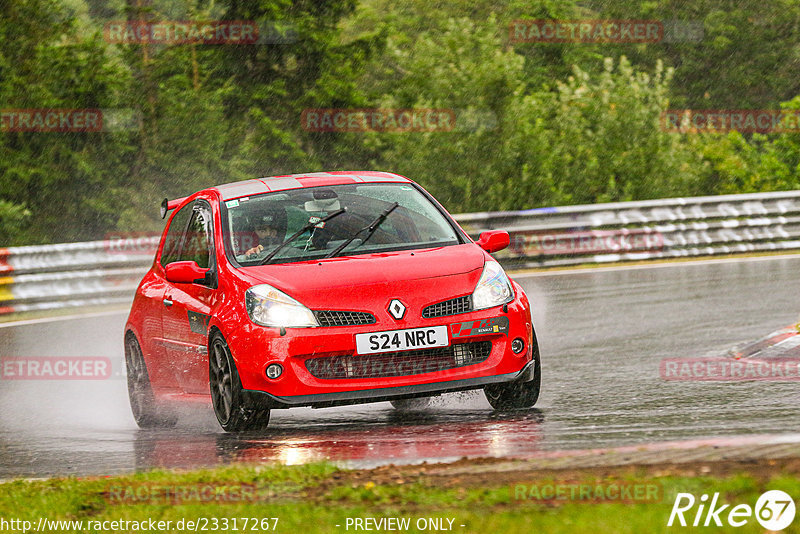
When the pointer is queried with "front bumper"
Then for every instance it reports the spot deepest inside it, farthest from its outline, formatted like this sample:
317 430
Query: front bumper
325 400
254 348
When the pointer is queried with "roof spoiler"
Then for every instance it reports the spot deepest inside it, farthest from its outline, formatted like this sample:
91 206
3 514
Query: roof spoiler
168 205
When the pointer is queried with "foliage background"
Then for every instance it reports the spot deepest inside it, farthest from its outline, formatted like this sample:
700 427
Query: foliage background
539 124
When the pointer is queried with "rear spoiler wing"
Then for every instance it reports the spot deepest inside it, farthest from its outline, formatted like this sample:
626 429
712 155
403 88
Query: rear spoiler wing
168 205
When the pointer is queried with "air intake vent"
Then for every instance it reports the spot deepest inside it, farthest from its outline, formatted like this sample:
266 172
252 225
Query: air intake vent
448 307
404 363
343 318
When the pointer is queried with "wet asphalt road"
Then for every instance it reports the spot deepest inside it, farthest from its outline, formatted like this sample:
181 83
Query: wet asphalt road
602 335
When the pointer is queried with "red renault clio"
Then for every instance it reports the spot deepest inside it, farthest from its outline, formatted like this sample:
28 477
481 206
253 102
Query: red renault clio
323 289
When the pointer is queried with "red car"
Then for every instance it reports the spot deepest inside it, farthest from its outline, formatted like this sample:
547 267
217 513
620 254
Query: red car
320 290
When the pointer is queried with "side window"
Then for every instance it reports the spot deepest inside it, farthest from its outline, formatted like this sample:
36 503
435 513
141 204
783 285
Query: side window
172 241
196 245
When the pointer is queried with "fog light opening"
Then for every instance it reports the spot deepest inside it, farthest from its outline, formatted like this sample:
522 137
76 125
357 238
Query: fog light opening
274 370
517 345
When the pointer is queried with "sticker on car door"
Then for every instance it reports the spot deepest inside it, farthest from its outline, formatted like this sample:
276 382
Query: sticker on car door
494 325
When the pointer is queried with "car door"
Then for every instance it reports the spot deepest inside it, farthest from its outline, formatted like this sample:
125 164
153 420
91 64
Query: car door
187 307
153 289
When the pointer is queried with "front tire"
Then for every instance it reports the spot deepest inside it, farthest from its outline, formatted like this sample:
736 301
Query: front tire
146 411
517 395
233 411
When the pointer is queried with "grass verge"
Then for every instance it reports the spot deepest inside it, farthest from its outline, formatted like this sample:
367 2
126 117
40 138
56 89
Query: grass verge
322 498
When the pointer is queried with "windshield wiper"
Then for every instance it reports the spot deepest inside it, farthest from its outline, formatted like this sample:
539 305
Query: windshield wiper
308 226
370 229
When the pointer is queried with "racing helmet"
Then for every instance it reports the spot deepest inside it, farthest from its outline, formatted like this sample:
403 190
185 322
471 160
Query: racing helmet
269 216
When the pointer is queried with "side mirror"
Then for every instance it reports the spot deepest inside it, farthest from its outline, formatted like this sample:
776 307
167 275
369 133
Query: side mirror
185 272
493 240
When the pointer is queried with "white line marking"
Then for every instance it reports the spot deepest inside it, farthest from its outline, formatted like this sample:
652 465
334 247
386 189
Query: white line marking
579 270
61 318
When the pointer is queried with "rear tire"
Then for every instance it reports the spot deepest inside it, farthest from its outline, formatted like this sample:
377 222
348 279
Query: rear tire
410 405
233 411
146 411
517 395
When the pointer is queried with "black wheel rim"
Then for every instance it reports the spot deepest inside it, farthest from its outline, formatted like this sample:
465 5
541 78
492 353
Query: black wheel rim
493 393
138 381
221 382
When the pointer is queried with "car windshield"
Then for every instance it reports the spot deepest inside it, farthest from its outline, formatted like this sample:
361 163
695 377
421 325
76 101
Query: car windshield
376 218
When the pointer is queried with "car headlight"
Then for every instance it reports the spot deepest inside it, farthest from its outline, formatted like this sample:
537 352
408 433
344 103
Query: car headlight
268 306
493 289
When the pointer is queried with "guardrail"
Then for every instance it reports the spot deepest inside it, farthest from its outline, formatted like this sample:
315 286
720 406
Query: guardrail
645 230
71 274
108 271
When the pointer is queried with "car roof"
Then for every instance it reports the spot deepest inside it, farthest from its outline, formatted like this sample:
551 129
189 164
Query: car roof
296 181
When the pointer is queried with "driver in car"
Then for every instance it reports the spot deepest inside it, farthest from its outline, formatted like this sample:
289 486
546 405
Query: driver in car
267 228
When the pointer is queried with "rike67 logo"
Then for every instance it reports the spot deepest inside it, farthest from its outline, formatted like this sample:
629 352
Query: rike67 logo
774 510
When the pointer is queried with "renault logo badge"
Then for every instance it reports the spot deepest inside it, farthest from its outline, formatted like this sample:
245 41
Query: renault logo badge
397 309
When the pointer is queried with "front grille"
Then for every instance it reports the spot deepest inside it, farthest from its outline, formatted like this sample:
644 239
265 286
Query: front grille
343 318
404 363
448 307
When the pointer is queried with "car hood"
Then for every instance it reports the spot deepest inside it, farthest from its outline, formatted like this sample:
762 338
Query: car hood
363 281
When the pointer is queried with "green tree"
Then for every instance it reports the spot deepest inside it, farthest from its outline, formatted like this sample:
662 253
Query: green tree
59 177
745 58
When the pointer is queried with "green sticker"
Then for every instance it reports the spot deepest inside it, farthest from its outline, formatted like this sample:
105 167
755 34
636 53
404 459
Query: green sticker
232 203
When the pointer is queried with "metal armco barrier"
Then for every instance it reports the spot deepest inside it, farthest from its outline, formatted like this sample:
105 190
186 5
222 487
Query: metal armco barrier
645 230
107 272
72 274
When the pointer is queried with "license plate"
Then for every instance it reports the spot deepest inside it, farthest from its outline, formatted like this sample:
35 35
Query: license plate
396 340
